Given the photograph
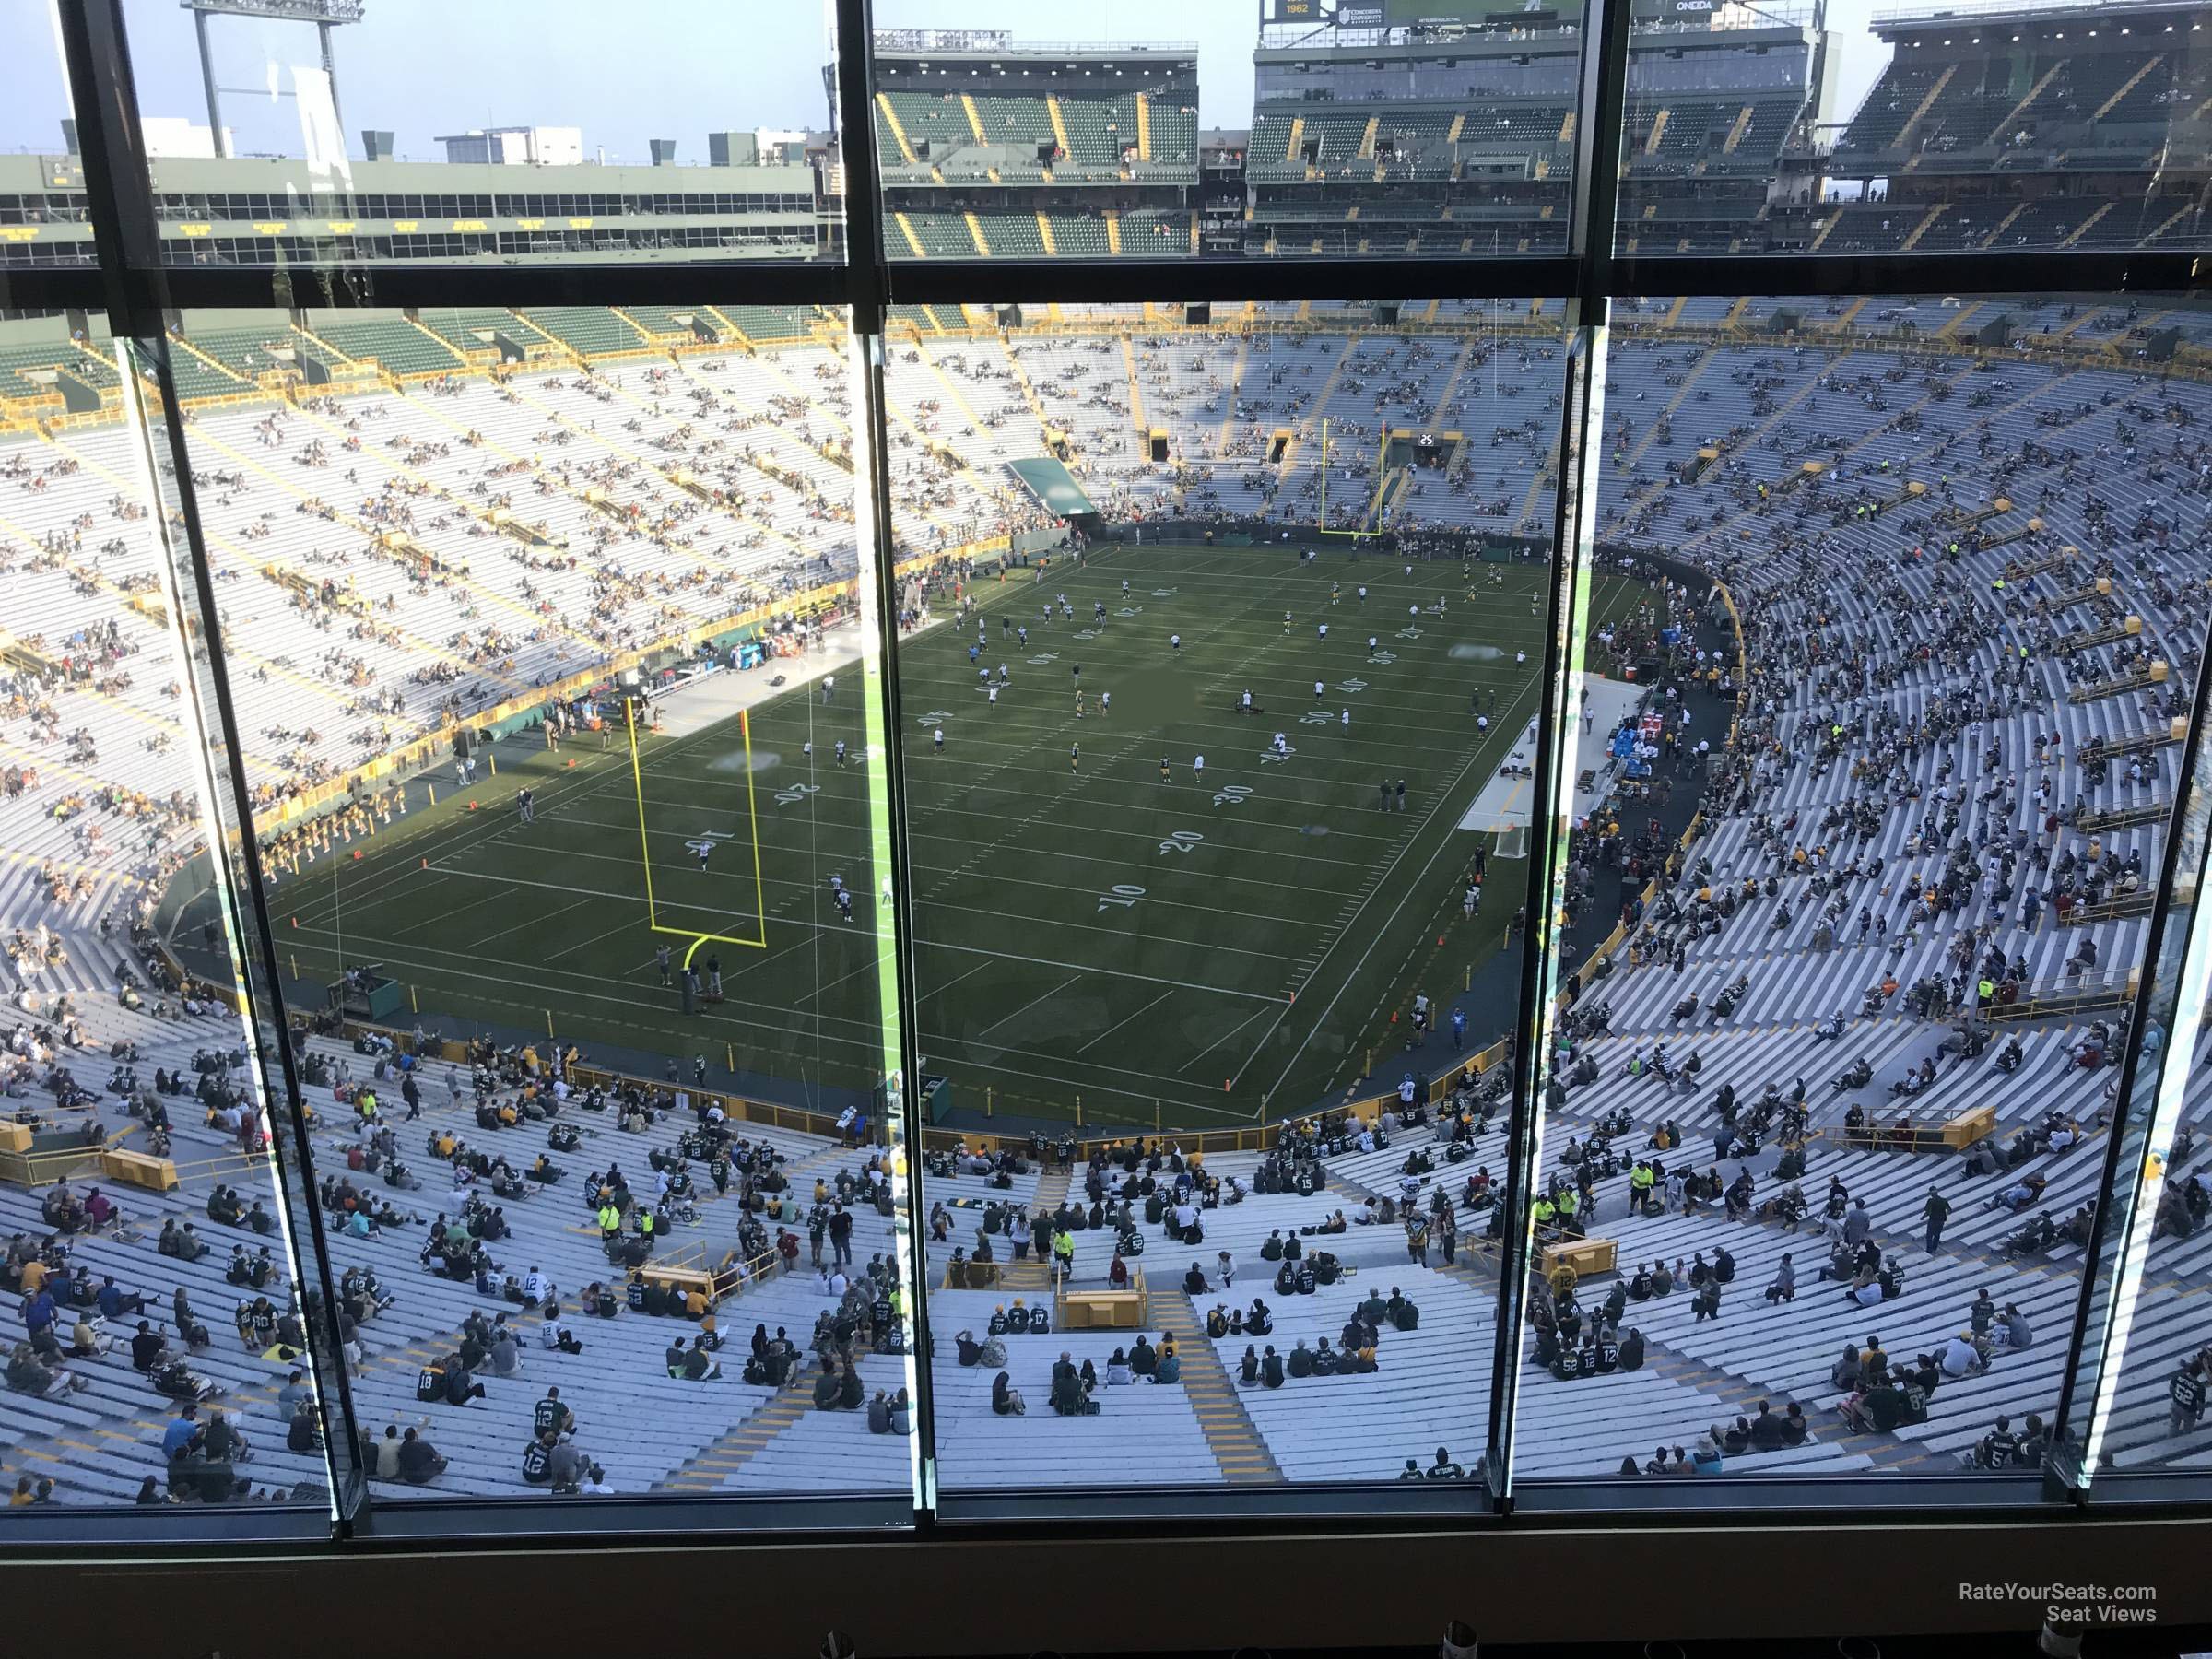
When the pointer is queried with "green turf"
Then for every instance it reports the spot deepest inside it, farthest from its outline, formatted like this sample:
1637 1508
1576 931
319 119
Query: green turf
1281 915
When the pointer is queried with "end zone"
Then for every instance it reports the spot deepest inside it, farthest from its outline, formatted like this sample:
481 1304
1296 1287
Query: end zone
654 905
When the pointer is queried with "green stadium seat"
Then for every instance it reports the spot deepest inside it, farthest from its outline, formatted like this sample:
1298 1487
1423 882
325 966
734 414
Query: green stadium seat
588 329
460 326
942 235
1013 235
1079 235
395 343
766 324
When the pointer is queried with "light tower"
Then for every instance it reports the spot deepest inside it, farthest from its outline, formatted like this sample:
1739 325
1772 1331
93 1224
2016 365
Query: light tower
325 15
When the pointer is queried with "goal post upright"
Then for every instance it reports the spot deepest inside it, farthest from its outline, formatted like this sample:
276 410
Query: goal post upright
1356 533
637 779
652 920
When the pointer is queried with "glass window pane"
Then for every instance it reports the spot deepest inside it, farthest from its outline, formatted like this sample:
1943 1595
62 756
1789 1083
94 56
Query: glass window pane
333 132
44 218
1870 790
2141 1392
1218 738
1925 129
1724 105
172 1315
557 688
1376 129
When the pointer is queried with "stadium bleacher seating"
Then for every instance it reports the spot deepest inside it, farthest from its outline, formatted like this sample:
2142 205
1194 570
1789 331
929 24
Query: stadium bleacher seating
398 345
1933 633
590 330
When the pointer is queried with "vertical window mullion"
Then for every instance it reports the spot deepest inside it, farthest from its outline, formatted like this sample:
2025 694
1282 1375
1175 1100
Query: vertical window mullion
2170 996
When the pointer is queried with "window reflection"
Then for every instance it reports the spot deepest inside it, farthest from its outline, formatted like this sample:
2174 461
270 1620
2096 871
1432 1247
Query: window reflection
45 216
159 1356
549 668
2142 1385
322 131
1873 782
1220 680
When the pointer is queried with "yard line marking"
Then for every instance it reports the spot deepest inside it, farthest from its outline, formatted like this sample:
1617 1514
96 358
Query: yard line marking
444 915
1118 1024
1382 876
1224 1038
570 950
1151 978
948 1038
867 967
479 944
524 970
949 984
1024 1008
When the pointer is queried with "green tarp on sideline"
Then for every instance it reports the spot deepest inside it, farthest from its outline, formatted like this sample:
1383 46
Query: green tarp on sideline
1053 486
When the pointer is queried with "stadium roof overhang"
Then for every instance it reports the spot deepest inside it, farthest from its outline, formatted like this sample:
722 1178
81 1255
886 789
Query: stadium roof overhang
2148 16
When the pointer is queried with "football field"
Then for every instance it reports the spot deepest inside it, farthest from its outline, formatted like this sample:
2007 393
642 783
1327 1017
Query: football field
1207 947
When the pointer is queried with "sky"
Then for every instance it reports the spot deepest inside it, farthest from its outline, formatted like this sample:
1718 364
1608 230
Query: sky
684 68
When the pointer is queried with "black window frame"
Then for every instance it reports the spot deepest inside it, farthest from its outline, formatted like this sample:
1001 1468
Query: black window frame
137 289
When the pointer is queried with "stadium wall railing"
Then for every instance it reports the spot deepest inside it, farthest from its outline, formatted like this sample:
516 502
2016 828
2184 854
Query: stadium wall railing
516 713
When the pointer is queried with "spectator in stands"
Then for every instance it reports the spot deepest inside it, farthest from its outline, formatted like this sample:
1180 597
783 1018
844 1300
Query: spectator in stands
1005 1400
460 1387
113 1303
1848 1374
223 1443
1858 1224
1144 1360
1963 1357
182 1242
2185 1396
1784 1287
1067 1395
695 1364
27 1374
1999 1448
149 1350
1707 1303
39 1310
294 1393
184 1433
564 1466
418 1461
